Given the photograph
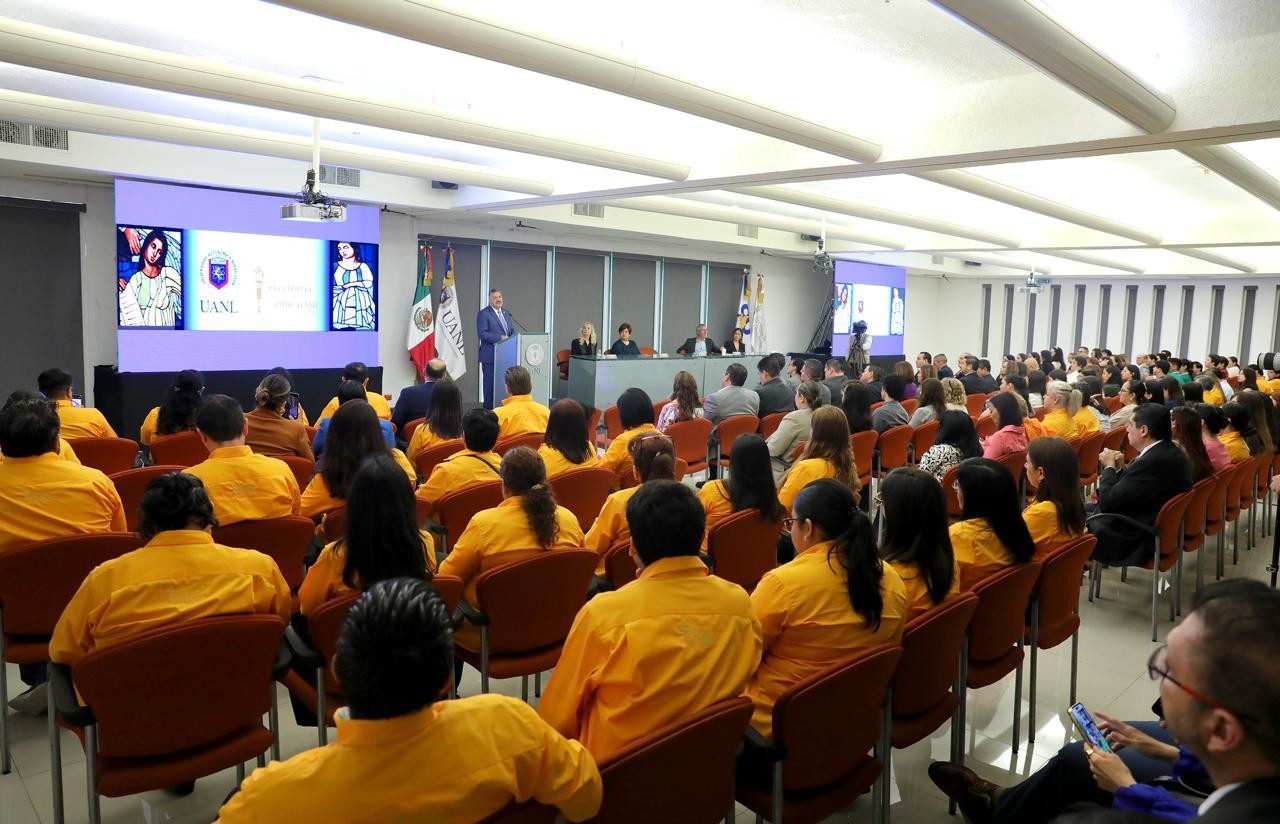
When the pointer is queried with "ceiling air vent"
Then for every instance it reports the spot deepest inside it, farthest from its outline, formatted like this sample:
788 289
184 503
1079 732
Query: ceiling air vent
14 131
748 231
49 137
339 176
588 210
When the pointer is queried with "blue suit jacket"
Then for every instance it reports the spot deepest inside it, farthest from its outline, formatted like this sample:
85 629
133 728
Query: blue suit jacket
412 404
490 331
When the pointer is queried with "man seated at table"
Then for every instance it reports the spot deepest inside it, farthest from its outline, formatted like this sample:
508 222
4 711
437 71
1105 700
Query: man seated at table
77 421
403 752
358 372
699 345
477 462
243 485
519 413
692 635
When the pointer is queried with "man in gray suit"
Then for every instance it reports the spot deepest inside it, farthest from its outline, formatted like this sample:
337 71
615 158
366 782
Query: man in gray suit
775 396
813 372
733 399
835 379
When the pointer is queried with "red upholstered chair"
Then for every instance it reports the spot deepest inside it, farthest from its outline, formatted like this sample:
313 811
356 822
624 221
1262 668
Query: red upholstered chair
657 407
173 704
593 422
562 362
411 427
1055 613
770 423
182 449
891 449
36 584
1040 413
1113 404
985 426
1249 493
533 440
286 540
996 634
583 492
1016 463
863 445
908 404
107 455
729 430
949 489
1195 522
1215 515
132 483
975 404
876 405
1116 439
619 569
823 729
690 439
648 350
303 468
334 525
612 424
1088 451
311 434
743 547
457 508
922 439
524 611
433 455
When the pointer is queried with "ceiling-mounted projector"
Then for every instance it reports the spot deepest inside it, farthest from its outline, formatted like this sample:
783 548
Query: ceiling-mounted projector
313 205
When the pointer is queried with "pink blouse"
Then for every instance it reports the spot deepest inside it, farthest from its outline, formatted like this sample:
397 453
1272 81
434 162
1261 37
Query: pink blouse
1218 456
1008 439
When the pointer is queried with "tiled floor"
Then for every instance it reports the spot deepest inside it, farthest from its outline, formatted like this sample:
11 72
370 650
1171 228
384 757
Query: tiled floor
1114 645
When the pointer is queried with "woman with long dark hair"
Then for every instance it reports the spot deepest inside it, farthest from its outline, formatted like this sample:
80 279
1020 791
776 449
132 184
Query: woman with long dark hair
735 346
835 598
635 411
653 458
443 421
683 405
382 541
1239 436
915 541
1111 380
1188 435
1212 422
991 534
826 455
1262 414
956 441
1058 512
354 434
177 410
903 370
526 523
566 444
1036 383
1010 434
856 403
750 485
931 403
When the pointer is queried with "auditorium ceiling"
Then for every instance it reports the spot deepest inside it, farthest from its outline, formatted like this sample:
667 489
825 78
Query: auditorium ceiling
1092 137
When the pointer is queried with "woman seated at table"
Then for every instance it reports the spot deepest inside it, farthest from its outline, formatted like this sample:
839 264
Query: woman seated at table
793 429
653 458
835 598
1057 516
735 346
991 534
443 421
354 434
624 346
683 405
749 486
567 444
827 455
915 541
585 344
382 541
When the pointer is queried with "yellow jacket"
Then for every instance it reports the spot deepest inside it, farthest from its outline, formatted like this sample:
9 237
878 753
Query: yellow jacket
617 458
521 415
662 648
1086 421
978 551
1042 523
716 505
65 452
45 497
1237 449
1059 423
917 588
423 438
82 422
610 526
245 486
324 578
379 404
458 470
805 472
557 464
316 499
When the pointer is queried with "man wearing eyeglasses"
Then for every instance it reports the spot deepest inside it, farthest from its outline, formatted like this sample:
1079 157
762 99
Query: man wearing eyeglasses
1219 682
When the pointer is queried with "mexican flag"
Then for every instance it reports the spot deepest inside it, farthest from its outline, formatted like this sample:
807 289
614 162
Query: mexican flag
422 324
452 349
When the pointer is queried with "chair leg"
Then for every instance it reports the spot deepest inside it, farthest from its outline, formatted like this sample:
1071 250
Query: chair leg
484 660
1155 595
962 681
6 759
1204 547
1221 547
273 715
91 772
322 722
55 759
1075 661
1124 575
1017 705
1035 648
537 685
262 758
884 748
524 688
239 775
777 792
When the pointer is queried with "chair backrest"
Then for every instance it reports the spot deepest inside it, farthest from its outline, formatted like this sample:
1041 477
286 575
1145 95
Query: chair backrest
38 580
687 766
949 489
657 407
182 449
612 423
770 423
908 404
583 492
985 426
286 540
922 439
412 426
1041 412
107 455
1217 505
303 468
931 655
533 440
593 422
690 439
1058 587
562 362
532 603
1249 489
1197 514
432 455
975 404
1113 404
1002 605
734 427
648 350
619 569
132 483
830 720
1115 439
743 547
1015 462
893 446
1088 450
1242 473
1169 525
457 508
143 690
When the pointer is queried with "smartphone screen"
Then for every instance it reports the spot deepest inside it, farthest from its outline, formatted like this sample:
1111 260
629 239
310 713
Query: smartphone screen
1088 728
291 407
77 400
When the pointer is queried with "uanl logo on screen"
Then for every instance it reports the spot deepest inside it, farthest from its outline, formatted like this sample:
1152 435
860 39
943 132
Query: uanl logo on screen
218 269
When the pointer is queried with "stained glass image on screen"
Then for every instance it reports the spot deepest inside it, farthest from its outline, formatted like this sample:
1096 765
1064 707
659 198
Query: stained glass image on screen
843 310
871 304
149 277
897 311
354 304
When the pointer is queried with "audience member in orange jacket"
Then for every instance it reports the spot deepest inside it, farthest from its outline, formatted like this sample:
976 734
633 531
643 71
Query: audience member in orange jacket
519 413
77 421
913 514
635 410
991 534
663 647
395 662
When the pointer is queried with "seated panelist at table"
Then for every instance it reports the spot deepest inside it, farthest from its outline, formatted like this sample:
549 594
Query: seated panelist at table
586 344
736 344
624 346
699 345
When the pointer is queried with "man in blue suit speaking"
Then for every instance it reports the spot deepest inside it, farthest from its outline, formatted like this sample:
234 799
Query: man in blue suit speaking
493 324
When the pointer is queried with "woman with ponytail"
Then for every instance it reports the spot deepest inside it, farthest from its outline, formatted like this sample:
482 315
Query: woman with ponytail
177 410
652 458
991 534
1063 404
835 598
270 432
915 541
526 523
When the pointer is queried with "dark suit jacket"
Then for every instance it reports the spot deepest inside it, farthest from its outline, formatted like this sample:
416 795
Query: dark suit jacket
776 396
490 331
588 350
687 347
412 404
1257 800
975 384
836 385
945 372
1138 491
